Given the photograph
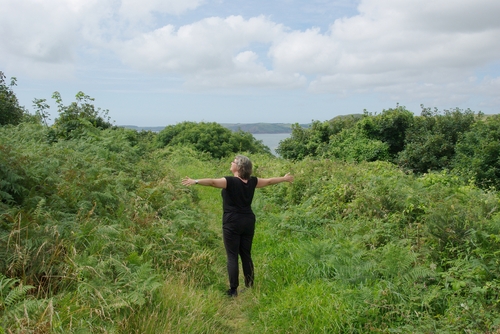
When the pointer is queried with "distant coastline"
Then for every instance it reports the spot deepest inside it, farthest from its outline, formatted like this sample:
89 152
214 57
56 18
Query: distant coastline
260 128
253 128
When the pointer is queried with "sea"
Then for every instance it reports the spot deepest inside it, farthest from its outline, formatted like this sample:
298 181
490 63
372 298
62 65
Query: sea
271 140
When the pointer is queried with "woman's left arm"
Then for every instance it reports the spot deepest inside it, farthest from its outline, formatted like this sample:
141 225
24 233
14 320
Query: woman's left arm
274 180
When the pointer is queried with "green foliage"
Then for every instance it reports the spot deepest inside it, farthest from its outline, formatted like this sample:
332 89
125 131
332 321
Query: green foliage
295 146
15 304
478 153
41 113
354 146
10 110
314 140
389 127
433 141
304 142
350 138
395 252
339 123
430 142
210 138
11 292
85 218
98 235
10 187
78 119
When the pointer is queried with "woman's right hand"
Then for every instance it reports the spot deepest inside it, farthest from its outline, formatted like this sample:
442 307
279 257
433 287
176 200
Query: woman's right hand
188 181
288 177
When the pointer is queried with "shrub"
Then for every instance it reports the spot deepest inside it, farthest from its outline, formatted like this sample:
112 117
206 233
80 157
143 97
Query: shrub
210 138
430 142
477 153
10 110
389 127
352 145
78 119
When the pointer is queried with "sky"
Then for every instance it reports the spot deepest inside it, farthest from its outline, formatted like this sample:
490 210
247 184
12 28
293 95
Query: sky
162 62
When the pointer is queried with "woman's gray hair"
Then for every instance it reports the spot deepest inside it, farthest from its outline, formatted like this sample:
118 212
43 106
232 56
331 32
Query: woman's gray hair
244 166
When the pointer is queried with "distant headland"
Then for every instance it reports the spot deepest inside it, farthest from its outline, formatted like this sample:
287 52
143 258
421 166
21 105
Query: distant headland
253 128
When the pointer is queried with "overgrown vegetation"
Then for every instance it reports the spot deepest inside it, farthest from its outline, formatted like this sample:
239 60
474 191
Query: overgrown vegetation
10 110
210 138
97 235
455 140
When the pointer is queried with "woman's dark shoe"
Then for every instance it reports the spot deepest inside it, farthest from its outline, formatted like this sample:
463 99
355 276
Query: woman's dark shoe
232 292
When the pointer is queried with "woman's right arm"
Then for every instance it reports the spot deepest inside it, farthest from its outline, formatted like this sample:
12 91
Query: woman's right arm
274 180
216 183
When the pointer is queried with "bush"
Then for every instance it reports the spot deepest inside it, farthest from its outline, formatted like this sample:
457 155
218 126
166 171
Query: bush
353 146
478 152
10 110
78 119
389 127
430 142
210 138
314 140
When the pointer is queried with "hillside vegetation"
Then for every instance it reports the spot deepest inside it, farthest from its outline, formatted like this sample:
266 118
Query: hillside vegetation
254 128
257 128
97 234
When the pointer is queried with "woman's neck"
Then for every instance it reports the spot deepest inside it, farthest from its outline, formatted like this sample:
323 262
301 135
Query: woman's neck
239 177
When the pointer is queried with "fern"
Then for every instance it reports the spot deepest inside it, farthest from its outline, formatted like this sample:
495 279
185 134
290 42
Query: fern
40 208
341 260
16 294
6 286
420 274
16 307
10 185
394 260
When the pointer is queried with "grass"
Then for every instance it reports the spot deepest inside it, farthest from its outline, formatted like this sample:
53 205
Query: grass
348 248
205 310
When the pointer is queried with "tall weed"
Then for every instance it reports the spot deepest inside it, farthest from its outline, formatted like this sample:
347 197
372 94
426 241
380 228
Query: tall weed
112 242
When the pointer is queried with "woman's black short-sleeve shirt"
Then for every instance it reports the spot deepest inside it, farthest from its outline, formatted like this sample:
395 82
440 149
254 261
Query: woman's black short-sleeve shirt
237 196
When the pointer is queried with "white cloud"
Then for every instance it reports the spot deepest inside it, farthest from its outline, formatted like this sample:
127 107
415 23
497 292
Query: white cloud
42 37
449 15
392 42
138 10
55 32
308 52
387 43
36 36
398 48
246 71
213 47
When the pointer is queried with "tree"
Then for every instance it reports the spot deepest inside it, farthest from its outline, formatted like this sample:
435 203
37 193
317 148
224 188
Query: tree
339 123
478 152
295 147
311 141
372 137
10 110
430 142
242 141
354 146
78 117
389 127
211 138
